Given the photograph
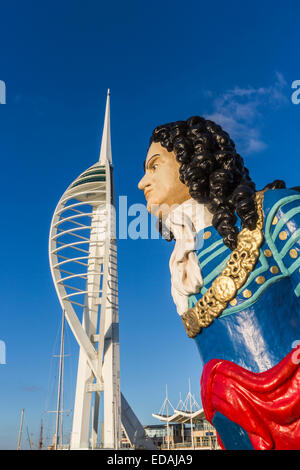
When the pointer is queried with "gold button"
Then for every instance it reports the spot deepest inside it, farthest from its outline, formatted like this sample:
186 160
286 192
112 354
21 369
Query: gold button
233 302
293 253
268 253
223 288
260 279
275 220
247 293
274 270
206 235
283 235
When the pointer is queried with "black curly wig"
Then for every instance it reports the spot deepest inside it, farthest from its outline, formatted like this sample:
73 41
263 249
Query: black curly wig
214 172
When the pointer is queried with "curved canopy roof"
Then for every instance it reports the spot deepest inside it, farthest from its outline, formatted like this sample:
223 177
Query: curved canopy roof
180 416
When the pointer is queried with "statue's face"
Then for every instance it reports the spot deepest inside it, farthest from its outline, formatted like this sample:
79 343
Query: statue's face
161 184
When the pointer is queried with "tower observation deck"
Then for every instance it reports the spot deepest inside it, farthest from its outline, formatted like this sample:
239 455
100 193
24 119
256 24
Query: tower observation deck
83 261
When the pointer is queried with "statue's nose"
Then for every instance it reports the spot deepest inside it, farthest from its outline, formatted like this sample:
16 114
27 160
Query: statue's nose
142 183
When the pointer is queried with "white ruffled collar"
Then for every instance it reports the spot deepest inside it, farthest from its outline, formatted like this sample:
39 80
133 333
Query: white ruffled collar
185 222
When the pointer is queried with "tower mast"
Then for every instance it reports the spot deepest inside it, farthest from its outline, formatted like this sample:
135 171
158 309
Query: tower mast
101 291
83 260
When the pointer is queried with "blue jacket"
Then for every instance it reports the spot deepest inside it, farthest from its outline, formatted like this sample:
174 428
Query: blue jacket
261 325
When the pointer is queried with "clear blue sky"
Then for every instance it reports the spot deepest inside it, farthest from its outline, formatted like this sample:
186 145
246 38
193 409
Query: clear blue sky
163 61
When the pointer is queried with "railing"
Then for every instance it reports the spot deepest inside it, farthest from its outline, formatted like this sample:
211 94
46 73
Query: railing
188 445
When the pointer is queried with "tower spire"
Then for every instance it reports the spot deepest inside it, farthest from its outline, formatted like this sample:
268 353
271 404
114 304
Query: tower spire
105 152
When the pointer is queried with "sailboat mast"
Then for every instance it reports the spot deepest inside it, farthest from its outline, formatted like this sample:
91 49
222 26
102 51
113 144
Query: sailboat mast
168 430
20 430
62 387
58 411
29 439
41 436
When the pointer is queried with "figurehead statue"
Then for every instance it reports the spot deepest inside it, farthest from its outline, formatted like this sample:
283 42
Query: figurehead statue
235 277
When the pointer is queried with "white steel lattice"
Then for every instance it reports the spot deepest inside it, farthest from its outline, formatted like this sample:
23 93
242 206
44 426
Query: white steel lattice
83 260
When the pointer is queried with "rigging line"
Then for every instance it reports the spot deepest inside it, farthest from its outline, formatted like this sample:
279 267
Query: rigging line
26 424
69 347
29 439
67 383
54 347
59 393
